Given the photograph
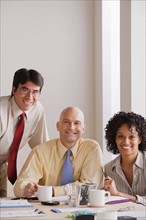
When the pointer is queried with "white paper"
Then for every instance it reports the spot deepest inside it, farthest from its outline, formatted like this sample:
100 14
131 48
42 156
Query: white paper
133 213
69 210
20 203
115 198
12 214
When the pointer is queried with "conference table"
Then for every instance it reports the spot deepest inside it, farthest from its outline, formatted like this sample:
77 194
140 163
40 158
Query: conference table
45 211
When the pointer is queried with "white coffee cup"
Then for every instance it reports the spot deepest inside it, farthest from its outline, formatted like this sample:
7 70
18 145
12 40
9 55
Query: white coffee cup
98 197
44 193
104 215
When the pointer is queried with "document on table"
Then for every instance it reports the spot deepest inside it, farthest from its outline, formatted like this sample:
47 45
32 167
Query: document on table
69 210
8 203
138 214
12 214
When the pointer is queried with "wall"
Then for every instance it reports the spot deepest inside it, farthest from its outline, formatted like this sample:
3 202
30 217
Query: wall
55 38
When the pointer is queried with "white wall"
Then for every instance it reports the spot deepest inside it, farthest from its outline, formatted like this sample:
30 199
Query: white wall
55 38
132 55
138 56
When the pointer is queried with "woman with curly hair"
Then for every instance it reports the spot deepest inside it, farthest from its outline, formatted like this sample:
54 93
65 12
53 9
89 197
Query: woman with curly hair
125 134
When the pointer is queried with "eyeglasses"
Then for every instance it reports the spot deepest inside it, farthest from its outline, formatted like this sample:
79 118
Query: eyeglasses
128 208
25 91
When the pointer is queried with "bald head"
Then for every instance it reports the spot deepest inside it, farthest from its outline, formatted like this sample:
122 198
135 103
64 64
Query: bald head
70 126
73 111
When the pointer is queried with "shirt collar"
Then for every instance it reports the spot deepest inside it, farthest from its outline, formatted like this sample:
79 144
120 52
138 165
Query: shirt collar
116 161
139 161
62 149
15 109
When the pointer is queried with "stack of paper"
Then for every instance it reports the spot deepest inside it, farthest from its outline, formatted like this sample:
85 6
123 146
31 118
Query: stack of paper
12 214
21 203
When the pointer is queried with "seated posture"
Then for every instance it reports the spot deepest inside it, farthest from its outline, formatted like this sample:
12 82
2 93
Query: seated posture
125 135
46 163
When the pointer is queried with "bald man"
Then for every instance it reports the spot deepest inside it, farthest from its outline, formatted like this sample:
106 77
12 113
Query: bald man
45 162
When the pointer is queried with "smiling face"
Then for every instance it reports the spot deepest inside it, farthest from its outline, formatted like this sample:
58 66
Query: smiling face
70 126
127 140
26 95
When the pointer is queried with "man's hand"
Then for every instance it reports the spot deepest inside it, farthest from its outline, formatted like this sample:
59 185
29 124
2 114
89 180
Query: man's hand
30 189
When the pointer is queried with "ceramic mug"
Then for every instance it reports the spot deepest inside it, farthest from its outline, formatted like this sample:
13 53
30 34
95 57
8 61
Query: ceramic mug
44 193
97 197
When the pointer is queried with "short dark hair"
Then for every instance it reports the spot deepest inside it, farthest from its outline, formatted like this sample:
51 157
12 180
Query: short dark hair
23 75
132 120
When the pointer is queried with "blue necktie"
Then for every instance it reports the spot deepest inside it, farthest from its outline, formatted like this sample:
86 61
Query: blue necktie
67 169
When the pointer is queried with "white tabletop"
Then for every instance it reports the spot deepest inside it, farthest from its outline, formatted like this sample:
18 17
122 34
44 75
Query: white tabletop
62 216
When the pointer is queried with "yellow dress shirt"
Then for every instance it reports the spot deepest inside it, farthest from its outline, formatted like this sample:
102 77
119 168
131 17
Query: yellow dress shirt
44 165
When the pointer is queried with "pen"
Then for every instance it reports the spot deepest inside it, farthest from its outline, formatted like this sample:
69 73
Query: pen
39 211
56 210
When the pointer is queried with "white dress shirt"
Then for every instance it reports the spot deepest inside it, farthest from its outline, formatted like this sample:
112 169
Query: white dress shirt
138 188
35 130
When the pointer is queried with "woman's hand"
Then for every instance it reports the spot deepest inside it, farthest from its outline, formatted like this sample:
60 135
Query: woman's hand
29 190
109 185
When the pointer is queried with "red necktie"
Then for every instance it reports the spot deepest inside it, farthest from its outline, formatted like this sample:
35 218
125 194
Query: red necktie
12 168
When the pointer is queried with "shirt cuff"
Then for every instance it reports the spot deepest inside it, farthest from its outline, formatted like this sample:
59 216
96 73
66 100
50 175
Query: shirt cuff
141 199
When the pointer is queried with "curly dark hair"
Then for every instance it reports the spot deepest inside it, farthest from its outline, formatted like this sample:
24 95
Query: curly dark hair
132 120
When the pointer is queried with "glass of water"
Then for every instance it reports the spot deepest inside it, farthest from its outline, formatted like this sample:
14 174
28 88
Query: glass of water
73 191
